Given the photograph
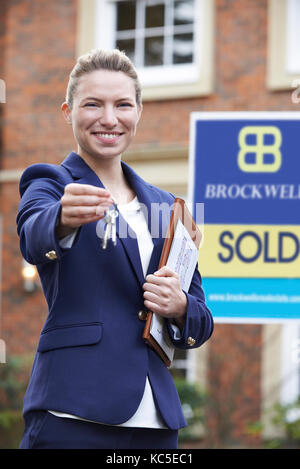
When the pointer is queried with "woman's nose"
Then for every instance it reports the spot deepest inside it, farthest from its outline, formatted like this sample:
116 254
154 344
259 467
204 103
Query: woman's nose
108 116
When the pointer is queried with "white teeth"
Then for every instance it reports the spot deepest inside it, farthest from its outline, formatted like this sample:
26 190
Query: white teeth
109 136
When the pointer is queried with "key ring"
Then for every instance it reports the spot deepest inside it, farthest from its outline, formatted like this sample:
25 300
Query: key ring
110 229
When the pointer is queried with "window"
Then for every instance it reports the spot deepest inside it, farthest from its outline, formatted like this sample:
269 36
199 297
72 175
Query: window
169 41
293 37
184 365
283 44
280 374
290 373
158 35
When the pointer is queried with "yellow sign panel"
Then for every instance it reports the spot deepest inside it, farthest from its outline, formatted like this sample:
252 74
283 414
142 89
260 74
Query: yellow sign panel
250 251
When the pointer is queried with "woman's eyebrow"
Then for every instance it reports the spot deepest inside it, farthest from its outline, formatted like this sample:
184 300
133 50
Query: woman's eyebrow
91 97
125 98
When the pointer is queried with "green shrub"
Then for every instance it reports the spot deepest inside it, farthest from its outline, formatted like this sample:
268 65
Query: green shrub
13 381
287 419
193 401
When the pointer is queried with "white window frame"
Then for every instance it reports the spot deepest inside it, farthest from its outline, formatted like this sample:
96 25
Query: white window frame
290 359
95 20
155 75
188 365
292 37
282 57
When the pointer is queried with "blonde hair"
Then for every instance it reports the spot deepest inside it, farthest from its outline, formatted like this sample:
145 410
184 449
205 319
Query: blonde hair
99 59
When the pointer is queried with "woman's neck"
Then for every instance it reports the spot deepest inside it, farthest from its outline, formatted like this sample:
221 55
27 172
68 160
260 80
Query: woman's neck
111 174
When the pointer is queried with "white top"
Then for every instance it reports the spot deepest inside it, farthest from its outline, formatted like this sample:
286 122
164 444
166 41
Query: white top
147 415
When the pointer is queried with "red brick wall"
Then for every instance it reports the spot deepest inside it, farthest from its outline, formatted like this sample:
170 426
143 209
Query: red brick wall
234 377
37 40
38 52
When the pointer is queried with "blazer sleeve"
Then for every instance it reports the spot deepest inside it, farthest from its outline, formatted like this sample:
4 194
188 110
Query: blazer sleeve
199 321
41 188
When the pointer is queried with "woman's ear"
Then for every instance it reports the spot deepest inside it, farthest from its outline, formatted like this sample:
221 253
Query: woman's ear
66 112
139 111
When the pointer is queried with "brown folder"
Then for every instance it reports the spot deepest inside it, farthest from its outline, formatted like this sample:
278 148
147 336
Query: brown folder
179 212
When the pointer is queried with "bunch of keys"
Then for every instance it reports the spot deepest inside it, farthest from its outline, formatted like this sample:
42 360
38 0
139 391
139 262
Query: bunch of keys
110 229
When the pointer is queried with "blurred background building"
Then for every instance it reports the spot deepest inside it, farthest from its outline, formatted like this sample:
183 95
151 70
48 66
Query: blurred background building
192 55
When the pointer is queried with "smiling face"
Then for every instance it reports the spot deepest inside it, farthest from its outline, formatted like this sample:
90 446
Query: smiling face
104 114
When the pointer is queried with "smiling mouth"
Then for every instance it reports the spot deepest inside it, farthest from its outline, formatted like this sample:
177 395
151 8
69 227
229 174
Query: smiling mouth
107 136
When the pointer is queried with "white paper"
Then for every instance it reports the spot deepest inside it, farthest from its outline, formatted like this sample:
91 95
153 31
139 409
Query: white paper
183 257
160 334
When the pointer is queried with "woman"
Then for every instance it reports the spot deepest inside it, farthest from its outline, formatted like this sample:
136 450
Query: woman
95 383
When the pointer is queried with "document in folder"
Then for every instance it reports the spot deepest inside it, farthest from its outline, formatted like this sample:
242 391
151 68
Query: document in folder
180 254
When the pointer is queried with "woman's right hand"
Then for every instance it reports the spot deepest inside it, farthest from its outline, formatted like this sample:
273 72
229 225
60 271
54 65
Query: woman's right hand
81 204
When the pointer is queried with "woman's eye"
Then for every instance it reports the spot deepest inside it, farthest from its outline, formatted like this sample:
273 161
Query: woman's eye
125 105
90 105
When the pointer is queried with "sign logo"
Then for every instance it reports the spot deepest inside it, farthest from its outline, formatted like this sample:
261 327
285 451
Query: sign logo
259 150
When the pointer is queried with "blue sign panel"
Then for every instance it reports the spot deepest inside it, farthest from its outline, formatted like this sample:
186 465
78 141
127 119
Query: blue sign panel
245 168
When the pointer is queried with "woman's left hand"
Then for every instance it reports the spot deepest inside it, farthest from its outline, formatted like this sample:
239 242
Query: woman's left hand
163 295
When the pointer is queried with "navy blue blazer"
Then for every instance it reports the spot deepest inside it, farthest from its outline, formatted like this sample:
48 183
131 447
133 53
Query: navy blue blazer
91 360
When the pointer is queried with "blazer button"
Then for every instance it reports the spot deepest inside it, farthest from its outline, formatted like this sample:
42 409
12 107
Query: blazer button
191 341
51 255
142 315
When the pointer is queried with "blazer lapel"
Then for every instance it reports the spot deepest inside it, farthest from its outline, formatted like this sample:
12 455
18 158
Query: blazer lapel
80 171
157 214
